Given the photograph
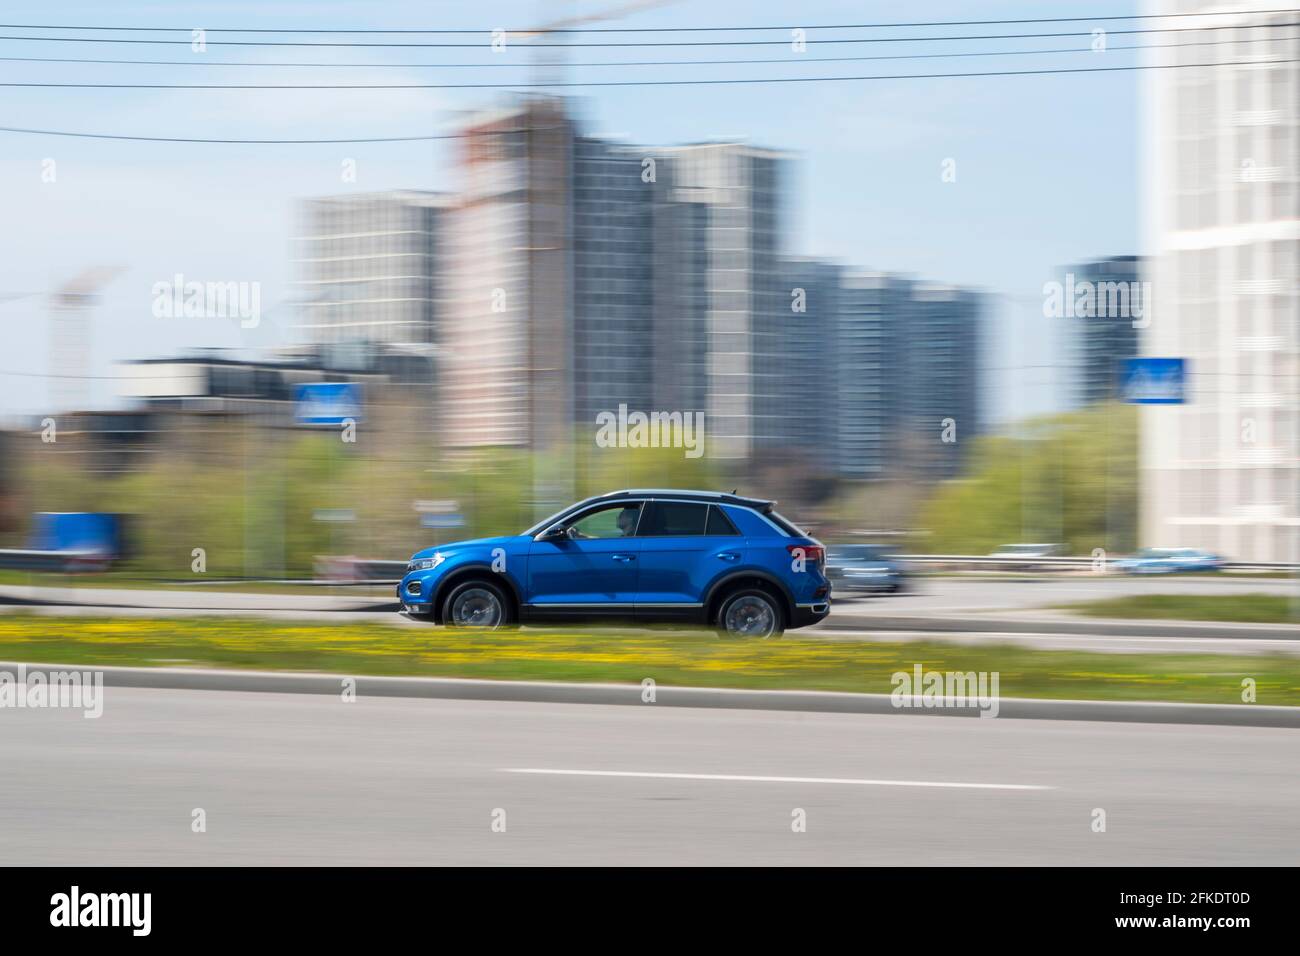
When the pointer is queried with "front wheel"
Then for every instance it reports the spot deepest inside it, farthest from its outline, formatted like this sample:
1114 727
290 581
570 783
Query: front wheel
476 604
750 613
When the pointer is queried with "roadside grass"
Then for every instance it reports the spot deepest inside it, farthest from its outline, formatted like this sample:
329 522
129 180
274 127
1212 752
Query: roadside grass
1254 608
686 658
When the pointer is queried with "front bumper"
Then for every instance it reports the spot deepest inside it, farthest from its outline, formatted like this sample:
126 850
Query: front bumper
416 594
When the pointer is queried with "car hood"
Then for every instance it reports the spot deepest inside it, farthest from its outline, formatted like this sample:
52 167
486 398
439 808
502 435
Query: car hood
452 546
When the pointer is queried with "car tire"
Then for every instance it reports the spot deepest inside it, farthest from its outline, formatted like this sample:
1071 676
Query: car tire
476 603
752 613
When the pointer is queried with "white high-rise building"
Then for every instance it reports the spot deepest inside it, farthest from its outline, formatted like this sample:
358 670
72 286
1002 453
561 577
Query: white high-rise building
370 267
741 192
1222 471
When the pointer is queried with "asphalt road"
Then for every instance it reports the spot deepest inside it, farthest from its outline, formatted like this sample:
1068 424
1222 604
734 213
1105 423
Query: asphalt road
305 779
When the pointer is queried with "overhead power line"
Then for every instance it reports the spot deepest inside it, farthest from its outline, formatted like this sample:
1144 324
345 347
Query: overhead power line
730 81
734 62
571 30
240 142
261 142
650 43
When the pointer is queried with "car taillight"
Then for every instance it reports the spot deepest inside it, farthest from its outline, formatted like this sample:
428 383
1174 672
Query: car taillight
811 553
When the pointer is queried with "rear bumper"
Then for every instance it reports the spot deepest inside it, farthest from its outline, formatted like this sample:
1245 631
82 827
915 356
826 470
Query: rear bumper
805 614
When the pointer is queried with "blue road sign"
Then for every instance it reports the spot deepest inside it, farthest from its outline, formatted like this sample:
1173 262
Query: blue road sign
327 403
1154 381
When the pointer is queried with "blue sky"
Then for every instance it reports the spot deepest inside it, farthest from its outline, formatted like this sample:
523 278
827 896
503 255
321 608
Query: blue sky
1046 165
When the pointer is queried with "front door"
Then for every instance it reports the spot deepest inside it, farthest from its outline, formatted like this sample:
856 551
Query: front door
593 566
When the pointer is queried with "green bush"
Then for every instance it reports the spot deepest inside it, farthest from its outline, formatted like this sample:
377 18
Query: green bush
1068 479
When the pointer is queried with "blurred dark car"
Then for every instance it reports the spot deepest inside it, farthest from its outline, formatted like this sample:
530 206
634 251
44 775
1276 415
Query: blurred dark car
864 567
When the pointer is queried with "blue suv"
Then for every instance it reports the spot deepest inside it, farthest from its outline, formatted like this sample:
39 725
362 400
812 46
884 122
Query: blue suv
640 555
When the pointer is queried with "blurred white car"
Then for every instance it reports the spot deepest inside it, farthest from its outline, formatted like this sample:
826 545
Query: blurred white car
1025 557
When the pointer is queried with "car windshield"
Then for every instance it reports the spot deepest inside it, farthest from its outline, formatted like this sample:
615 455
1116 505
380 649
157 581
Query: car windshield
547 522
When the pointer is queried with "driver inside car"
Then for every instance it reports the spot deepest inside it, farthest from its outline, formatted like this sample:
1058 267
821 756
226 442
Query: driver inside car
626 524
627 521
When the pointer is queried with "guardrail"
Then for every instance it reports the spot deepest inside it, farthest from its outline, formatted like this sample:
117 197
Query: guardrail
22 559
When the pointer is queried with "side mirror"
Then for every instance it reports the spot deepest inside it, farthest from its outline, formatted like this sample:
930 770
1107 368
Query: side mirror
554 533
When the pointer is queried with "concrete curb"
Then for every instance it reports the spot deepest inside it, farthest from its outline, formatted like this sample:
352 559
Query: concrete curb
1090 627
169 678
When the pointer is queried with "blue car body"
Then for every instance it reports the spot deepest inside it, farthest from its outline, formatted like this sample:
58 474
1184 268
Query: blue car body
673 556
1169 561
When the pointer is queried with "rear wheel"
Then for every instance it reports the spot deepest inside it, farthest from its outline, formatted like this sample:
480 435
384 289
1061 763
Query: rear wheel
476 604
750 612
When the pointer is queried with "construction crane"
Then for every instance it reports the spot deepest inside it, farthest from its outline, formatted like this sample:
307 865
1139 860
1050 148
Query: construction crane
547 191
555 64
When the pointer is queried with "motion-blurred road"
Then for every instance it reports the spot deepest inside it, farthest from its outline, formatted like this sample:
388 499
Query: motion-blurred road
305 779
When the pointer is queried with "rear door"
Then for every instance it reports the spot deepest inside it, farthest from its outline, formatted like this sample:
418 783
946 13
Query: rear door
685 545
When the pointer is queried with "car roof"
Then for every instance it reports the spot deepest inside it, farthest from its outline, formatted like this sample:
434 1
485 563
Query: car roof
685 494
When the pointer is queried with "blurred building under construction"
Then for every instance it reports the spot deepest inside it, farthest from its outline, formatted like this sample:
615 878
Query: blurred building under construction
568 275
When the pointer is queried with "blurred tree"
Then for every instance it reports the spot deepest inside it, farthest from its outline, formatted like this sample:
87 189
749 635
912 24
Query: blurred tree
1068 479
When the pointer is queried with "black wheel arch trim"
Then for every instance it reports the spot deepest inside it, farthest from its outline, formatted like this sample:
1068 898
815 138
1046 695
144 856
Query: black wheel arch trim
723 584
470 572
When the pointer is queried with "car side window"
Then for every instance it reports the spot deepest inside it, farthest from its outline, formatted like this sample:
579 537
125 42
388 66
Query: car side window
674 519
719 524
611 521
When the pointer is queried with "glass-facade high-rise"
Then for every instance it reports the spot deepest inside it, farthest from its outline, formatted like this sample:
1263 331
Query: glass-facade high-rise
872 309
739 188
1098 342
614 338
907 354
799 415
938 394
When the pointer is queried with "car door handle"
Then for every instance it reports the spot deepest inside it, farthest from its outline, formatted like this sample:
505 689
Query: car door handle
728 555
624 557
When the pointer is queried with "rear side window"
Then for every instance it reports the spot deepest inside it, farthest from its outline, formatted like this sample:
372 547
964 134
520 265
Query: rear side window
785 525
674 519
719 524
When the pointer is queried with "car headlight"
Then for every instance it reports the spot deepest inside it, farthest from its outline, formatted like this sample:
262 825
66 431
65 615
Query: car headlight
425 564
